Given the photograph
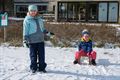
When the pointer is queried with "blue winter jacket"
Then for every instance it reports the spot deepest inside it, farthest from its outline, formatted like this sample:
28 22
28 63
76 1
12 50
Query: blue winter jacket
86 46
31 32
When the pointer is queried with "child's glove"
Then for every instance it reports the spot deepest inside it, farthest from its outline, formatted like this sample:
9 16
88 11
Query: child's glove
50 34
25 44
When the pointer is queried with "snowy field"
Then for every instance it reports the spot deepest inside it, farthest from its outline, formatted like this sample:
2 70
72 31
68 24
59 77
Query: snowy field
14 65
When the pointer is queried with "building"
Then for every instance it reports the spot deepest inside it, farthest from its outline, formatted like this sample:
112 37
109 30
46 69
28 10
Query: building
107 11
88 10
44 6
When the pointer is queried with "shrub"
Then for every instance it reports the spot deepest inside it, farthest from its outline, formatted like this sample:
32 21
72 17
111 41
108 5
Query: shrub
65 32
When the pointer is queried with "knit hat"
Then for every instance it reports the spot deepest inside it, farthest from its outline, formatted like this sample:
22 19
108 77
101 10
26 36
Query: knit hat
85 31
32 7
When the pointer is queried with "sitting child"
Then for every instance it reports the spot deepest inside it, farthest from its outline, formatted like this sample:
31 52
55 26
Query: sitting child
85 49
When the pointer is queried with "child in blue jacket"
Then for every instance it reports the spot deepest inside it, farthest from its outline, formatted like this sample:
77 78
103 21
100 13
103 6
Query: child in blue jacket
85 48
33 36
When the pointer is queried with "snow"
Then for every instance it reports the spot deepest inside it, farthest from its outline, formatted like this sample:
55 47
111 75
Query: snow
14 65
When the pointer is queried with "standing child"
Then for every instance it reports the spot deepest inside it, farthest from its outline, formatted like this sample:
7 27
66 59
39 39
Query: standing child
33 36
85 49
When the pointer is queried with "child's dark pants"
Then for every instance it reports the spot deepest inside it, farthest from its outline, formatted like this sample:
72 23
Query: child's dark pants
37 52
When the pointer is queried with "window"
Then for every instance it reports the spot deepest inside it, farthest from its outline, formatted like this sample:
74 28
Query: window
42 8
113 12
21 10
62 11
92 11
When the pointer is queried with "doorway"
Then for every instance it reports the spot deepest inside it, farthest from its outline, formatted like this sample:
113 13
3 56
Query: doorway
92 12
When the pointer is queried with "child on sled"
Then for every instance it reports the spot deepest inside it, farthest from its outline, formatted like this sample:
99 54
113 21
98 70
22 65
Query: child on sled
85 49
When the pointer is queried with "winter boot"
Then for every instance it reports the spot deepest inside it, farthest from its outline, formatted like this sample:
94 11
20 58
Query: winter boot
33 71
44 71
93 62
75 61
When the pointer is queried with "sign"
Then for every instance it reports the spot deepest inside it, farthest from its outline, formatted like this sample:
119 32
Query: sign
4 19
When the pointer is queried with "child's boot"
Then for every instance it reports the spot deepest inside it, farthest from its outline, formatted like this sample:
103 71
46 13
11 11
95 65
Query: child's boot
75 61
93 62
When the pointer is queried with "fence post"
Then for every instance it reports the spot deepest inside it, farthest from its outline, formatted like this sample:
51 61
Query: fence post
5 34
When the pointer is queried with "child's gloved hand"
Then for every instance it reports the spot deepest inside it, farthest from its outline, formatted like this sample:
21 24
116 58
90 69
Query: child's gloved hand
51 34
25 44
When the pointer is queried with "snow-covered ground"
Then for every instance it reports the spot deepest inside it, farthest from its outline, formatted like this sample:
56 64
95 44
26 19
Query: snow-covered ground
14 65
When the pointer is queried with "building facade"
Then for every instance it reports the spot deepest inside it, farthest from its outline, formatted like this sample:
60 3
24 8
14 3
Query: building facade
68 10
88 10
